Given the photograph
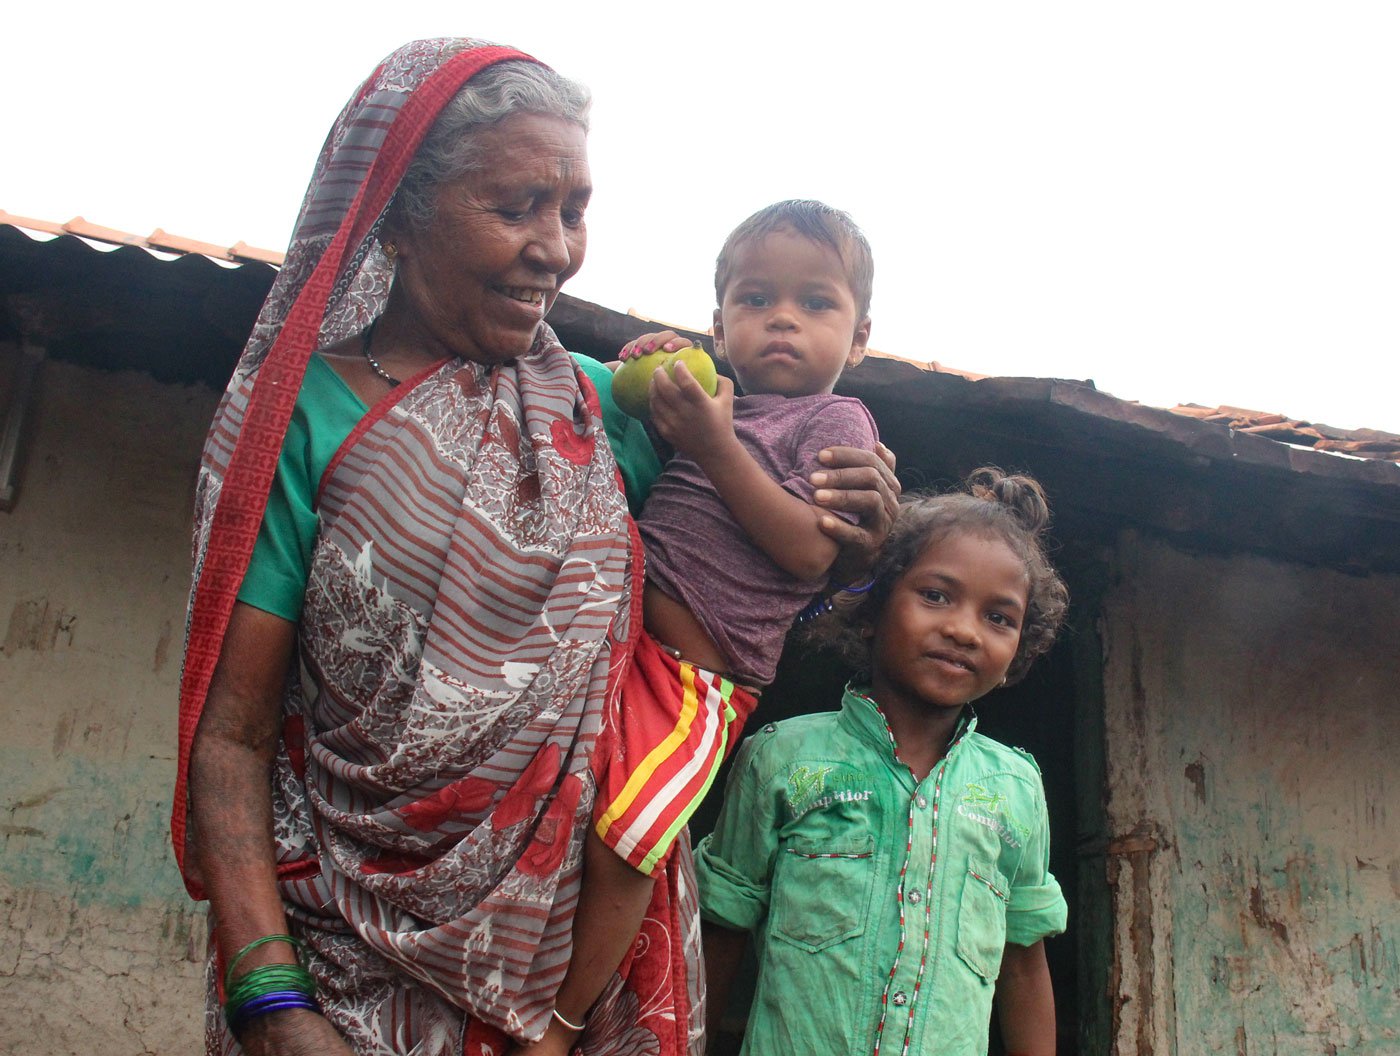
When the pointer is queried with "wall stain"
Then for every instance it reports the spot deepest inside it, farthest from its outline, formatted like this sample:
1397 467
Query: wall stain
1358 961
1134 853
36 800
162 656
1196 774
21 830
62 734
104 842
34 626
1263 918
1140 934
1394 870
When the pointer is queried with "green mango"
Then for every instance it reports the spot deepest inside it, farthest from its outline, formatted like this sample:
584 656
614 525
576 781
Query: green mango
631 384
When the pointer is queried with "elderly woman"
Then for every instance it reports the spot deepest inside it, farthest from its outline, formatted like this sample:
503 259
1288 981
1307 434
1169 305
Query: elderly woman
415 594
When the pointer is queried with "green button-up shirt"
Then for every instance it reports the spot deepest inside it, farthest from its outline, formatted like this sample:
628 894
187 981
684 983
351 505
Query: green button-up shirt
881 905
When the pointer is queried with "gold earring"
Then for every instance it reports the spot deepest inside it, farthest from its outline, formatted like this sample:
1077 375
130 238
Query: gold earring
391 250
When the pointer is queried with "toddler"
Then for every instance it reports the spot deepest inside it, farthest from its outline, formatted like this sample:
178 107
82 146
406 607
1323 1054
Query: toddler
733 545
893 862
734 550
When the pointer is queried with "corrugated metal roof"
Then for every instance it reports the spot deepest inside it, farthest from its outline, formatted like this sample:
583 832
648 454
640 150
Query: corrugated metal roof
1357 443
158 240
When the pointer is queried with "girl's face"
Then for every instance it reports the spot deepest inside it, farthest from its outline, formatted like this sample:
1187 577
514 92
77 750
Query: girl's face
950 627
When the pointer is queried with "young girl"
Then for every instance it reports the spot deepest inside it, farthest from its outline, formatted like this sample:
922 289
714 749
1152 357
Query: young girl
894 863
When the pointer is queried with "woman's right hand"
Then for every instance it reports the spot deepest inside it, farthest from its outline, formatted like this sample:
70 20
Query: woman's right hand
296 1032
666 340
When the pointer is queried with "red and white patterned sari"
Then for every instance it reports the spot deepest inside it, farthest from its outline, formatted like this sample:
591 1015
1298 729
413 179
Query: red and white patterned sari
472 605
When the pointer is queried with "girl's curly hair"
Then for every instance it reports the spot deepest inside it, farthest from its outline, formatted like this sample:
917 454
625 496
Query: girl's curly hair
995 505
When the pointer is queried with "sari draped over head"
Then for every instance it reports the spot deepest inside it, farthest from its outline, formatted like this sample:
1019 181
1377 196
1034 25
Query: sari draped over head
472 603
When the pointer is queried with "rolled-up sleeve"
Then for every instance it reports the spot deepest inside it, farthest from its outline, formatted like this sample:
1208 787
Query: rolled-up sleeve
1038 908
734 864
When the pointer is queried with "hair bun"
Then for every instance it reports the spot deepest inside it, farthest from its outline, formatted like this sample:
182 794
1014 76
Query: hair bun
1022 495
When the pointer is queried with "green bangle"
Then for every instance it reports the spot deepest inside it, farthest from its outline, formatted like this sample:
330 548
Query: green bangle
296 944
267 978
266 989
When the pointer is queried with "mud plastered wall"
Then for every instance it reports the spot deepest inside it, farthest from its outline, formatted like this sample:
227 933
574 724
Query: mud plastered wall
1252 722
100 948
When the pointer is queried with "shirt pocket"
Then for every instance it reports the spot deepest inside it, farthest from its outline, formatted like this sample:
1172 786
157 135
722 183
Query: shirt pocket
822 894
982 919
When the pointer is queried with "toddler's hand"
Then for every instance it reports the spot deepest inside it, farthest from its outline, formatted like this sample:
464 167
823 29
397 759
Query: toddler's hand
666 340
689 418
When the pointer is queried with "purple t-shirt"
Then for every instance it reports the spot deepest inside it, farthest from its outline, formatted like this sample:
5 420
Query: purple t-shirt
699 555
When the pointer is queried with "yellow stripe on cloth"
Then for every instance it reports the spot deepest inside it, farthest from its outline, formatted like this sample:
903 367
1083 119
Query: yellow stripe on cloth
690 704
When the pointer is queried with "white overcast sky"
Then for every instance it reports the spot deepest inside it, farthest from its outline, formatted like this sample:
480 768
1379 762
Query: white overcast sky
1186 201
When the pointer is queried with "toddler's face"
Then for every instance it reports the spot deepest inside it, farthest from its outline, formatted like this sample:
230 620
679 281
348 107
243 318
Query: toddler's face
788 322
950 627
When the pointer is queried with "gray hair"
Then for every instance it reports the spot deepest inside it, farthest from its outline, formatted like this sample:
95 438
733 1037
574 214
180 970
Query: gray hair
451 148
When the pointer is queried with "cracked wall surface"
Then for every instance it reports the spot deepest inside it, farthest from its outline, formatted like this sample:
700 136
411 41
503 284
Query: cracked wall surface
1252 720
100 947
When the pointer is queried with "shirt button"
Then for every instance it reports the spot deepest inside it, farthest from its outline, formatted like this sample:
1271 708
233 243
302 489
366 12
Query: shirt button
914 898
901 998
769 728
922 801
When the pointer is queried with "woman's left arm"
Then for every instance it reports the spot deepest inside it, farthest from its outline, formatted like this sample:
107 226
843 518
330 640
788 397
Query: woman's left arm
1025 1001
611 904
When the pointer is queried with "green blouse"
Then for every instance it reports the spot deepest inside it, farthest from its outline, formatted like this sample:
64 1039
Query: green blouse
326 412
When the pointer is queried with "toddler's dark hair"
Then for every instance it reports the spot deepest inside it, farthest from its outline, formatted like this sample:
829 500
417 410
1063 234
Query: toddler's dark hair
995 505
821 223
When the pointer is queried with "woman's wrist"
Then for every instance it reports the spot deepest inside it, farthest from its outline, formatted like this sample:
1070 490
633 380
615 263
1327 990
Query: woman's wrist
571 1024
268 1033
268 989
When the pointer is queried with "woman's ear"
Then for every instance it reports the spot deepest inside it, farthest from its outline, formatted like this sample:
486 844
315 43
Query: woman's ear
392 233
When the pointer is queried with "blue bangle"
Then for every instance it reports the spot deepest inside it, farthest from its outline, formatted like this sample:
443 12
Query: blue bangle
266 1004
822 603
862 589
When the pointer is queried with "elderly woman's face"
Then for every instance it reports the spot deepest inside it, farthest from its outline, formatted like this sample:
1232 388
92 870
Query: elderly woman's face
478 280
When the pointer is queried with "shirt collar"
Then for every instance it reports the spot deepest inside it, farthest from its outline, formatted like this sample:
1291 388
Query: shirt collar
861 715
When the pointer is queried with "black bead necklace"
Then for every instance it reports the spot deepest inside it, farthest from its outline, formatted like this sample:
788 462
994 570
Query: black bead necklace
366 336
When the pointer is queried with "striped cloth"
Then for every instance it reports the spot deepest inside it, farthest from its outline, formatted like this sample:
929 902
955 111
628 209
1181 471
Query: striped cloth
681 723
